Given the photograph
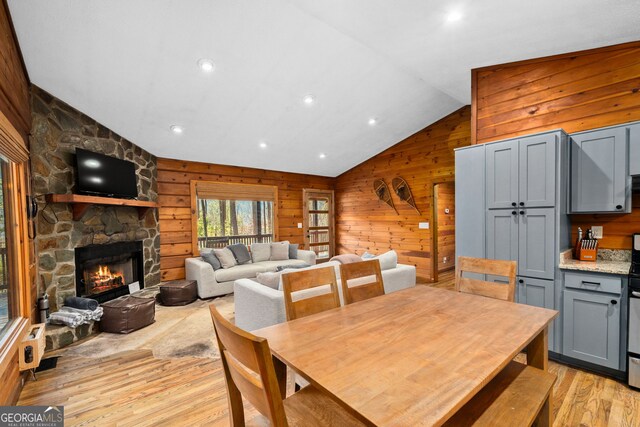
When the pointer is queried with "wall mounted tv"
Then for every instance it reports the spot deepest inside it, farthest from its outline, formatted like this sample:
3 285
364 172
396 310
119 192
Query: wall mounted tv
100 175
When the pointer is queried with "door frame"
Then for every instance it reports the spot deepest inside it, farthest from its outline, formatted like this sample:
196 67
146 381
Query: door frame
332 218
434 224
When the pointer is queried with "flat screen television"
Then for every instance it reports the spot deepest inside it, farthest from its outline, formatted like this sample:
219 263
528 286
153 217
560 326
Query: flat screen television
101 175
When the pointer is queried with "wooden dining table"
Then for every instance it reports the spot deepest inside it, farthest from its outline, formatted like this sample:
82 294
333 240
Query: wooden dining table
412 357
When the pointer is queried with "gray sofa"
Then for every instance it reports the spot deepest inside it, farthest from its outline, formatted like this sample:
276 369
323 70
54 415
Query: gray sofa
220 282
258 306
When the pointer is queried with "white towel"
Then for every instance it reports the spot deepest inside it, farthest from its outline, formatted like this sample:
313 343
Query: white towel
87 315
72 320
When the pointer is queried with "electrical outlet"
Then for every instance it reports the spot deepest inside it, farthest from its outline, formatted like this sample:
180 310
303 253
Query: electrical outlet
597 231
299 225
445 259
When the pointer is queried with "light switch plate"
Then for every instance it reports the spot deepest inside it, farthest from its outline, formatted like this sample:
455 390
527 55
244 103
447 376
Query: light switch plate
597 231
423 225
299 225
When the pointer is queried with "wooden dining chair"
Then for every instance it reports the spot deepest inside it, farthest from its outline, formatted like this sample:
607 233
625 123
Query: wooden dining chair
493 267
361 280
309 292
249 372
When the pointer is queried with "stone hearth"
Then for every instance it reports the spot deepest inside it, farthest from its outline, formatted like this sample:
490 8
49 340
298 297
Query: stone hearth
58 129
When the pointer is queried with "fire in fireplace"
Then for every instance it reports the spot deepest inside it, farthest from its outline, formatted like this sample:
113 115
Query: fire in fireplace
104 272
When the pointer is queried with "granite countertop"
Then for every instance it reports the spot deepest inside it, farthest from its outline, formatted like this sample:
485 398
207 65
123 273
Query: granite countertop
608 261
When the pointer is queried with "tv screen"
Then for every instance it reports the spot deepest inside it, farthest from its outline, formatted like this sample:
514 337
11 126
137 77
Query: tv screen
102 175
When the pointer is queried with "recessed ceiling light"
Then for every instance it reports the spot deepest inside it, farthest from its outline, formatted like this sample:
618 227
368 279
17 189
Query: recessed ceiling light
309 99
453 16
373 121
322 155
176 129
263 145
206 65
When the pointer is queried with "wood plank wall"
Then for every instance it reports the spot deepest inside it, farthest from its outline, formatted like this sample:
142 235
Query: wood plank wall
576 91
446 194
175 213
363 223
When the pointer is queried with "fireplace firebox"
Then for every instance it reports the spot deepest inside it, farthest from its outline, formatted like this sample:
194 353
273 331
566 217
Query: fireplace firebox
104 272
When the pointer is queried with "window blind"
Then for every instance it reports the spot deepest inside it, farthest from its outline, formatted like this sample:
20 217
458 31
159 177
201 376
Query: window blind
231 191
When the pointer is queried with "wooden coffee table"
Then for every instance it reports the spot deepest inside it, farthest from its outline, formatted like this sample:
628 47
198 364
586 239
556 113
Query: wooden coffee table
413 357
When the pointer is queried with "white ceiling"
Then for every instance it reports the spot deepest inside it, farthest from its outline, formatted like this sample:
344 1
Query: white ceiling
131 65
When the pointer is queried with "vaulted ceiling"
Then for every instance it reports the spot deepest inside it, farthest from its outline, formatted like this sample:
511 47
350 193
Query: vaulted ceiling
132 65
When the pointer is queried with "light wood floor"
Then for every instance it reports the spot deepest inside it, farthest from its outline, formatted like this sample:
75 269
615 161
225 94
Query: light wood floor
134 388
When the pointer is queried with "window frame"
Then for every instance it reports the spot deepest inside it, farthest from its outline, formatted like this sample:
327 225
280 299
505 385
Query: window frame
225 189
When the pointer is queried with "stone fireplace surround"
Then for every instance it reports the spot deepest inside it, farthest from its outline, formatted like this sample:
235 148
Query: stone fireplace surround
57 130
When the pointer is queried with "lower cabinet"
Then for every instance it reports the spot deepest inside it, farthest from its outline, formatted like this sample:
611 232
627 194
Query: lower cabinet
538 293
591 327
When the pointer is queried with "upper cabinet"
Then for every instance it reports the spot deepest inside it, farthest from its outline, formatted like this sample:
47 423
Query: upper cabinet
634 149
522 172
599 175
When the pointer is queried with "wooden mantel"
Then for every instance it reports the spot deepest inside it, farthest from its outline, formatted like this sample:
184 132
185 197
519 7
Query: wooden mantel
81 203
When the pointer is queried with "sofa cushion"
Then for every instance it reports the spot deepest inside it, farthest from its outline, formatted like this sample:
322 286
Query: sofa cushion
388 260
269 279
226 257
293 250
260 252
273 265
279 251
334 264
346 258
245 271
208 256
240 253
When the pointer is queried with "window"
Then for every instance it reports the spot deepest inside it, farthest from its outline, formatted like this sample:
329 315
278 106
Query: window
7 308
225 222
228 213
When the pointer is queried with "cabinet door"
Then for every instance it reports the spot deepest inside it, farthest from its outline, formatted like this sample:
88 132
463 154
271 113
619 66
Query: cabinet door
470 209
592 328
536 257
502 234
634 149
537 172
502 174
538 293
599 171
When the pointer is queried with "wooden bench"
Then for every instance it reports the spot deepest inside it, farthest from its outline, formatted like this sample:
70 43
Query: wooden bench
514 397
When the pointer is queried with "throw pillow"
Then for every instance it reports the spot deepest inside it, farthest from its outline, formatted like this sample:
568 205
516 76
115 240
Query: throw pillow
388 260
226 257
269 279
240 252
260 251
293 250
291 267
279 251
211 259
368 255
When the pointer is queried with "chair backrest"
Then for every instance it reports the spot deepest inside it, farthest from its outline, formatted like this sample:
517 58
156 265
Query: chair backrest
248 371
361 280
310 291
486 266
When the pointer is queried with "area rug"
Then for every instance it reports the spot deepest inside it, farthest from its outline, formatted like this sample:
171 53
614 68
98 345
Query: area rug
181 331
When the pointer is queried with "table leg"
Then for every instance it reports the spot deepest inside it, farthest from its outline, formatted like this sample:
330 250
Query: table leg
281 375
538 357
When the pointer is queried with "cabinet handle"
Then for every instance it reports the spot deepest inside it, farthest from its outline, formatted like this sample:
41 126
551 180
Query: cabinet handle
521 203
584 282
514 213
614 302
520 281
619 207
514 204
521 212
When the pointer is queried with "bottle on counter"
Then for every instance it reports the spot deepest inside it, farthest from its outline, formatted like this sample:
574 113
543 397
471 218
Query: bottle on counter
576 249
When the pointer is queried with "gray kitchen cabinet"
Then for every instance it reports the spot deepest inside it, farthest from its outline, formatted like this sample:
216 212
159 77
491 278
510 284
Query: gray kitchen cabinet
502 174
536 232
502 234
538 293
591 327
470 208
537 171
634 149
599 178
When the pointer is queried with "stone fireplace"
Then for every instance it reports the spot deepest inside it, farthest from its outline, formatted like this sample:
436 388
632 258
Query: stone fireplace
105 272
62 242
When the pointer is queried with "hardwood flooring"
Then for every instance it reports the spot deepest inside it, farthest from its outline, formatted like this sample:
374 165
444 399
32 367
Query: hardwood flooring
134 388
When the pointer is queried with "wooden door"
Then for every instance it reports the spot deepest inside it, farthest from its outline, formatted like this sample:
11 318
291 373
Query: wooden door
502 175
319 227
537 171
